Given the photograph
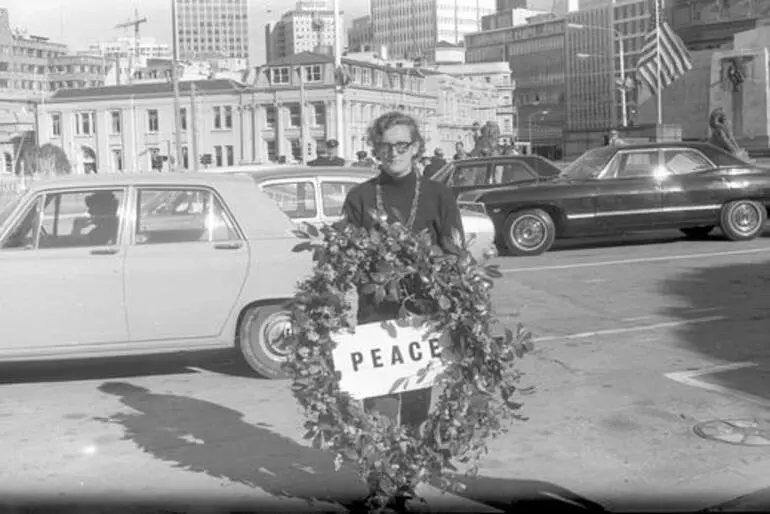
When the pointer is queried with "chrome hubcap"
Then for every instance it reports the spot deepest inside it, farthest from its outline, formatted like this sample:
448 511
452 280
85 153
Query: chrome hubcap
276 335
745 218
529 232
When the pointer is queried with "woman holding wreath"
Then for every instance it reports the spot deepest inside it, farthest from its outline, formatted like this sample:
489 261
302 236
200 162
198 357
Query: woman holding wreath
401 193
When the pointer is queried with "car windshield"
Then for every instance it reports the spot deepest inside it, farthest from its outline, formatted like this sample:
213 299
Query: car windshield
589 164
8 204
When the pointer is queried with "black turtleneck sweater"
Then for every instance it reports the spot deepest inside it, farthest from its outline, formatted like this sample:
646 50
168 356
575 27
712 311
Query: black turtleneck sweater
437 209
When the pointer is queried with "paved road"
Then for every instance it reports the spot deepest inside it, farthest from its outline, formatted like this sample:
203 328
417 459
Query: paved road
610 422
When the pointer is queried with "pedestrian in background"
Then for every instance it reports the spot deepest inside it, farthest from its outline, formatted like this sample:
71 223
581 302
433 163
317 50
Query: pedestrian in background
364 161
327 155
460 152
436 163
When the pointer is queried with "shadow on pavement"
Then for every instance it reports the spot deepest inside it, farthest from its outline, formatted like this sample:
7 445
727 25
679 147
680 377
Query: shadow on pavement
203 437
225 361
740 292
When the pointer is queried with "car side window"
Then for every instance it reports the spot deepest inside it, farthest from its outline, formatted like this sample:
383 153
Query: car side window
681 162
469 176
511 172
296 199
333 194
637 164
181 216
24 234
81 218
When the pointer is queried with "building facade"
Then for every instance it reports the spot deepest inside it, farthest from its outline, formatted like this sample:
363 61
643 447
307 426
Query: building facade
537 57
706 24
212 28
591 94
497 74
119 129
123 47
302 31
412 28
445 106
360 35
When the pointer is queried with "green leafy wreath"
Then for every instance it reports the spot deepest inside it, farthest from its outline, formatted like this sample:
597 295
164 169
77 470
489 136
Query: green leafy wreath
452 293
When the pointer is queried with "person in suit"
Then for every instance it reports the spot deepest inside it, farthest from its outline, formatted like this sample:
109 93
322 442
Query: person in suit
436 163
327 155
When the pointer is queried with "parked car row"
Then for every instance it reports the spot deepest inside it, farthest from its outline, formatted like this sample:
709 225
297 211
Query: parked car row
137 264
694 187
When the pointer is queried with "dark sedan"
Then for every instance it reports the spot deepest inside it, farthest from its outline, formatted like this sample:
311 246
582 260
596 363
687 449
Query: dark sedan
693 187
497 171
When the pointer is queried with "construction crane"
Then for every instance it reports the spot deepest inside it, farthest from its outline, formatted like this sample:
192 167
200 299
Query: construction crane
135 54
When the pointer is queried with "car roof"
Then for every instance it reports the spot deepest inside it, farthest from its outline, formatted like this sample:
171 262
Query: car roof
697 145
130 179
298 171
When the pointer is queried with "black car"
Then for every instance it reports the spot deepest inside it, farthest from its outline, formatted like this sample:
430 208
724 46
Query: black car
497 171
694 187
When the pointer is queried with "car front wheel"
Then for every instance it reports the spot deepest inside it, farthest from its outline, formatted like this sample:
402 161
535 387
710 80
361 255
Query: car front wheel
263 337
743 220
530 232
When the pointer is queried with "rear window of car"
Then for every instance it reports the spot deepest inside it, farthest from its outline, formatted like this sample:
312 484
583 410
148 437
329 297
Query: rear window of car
296 199
720 157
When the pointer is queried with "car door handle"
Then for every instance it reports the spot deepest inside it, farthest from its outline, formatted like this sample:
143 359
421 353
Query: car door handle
104 251
228 246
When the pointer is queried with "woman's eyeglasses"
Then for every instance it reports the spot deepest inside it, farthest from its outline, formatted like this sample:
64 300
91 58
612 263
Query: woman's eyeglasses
400 147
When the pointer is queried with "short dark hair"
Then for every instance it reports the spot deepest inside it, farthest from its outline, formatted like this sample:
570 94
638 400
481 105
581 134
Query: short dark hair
361 154
332 143
392 119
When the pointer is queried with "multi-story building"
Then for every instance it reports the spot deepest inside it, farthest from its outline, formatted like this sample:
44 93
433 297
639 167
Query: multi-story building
120 128
509 18
30 68
360 35
498 74
536 54
302 31
123 47
706 24
412 28
591 96
212 29
445 106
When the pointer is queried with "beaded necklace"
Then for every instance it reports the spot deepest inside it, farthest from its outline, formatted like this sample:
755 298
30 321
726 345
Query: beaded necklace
415 201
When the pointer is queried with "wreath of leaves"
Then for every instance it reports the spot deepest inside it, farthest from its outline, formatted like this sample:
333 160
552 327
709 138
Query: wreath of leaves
475 393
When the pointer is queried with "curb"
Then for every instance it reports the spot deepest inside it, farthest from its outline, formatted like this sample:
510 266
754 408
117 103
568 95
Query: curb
757 501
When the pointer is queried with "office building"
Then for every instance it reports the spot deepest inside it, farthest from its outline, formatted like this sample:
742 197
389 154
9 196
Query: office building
536 53
123 47
413 28
31 67
360 36
302 31
212 29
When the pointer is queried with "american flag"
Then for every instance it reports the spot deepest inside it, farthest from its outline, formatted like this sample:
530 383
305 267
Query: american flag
675 59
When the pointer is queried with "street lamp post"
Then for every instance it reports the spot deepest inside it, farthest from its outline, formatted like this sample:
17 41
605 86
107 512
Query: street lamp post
529 122
622 54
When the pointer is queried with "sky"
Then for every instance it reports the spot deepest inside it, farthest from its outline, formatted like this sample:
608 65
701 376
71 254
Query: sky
80 22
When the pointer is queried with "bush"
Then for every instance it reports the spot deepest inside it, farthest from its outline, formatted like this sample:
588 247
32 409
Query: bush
390 263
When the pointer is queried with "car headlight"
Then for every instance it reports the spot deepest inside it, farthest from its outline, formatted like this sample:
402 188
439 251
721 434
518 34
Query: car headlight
476 207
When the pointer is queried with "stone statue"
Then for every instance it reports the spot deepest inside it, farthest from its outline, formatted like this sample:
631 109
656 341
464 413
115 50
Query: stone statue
486 144
722 134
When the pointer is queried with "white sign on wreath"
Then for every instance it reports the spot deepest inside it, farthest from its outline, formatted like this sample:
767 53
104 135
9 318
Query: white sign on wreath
387 357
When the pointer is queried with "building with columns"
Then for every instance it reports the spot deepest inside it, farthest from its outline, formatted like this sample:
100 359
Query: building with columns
120 128
445 106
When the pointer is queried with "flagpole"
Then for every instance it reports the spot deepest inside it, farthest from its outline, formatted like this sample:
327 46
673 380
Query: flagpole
658 6
338 96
